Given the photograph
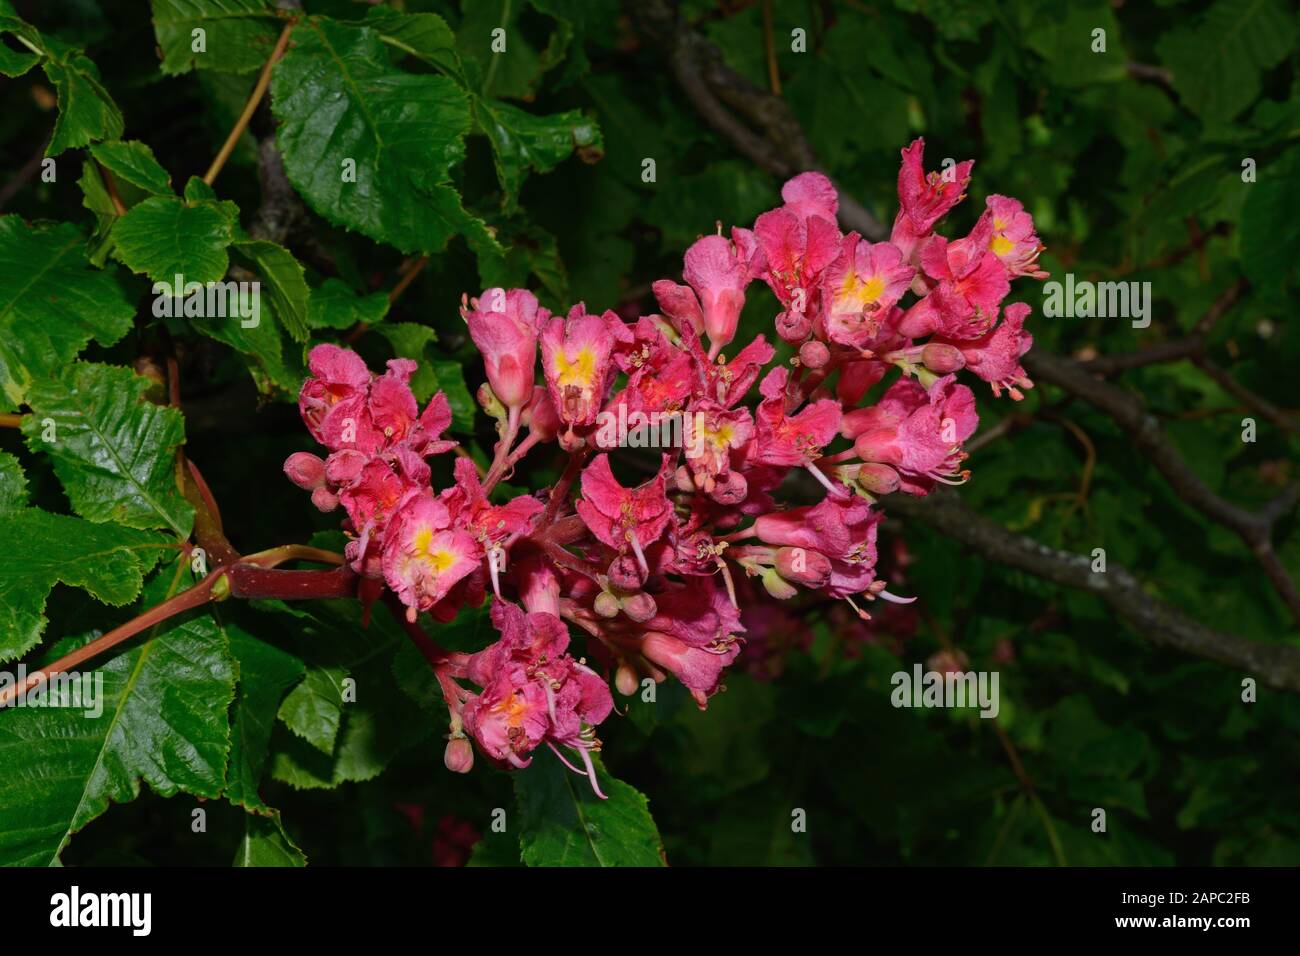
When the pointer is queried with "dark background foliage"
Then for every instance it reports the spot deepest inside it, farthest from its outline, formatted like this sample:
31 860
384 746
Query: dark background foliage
1131 163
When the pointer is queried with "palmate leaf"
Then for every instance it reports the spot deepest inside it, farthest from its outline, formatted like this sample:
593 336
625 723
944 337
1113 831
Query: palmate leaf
114 453
163 721
238 34
563 823
39 550
51 303
340 104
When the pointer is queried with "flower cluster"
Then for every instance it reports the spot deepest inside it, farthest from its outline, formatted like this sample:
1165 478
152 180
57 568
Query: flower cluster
647 566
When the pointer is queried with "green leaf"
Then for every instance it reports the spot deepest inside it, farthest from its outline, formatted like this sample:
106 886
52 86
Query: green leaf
51 303
423 35
522 141
238 34
163 721
335 306
1217 61
134 162
265 673
1270 222
15 62
341 107
13 484
114 452
86 112
282 274
164 237
39 550
563 823
266 844
314 709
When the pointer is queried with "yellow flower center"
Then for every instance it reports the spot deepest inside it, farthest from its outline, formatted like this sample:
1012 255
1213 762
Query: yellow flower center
579 372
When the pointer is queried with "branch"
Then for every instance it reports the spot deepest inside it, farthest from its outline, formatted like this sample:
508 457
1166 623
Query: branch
241 124
1277 665
779 145
1255 528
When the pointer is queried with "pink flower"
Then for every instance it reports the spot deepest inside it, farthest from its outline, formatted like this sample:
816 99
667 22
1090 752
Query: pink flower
503 324
511 717
423 557
576 359
792 440
718 274
995 356
972 282
860 289
811 194
794 252
699 669
621 517
925 198
841 530
917 431
1013 239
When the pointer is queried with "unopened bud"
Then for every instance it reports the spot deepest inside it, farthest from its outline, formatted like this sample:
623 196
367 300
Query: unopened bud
459 755
488 400
942 358
814 354
878 479
777 586
625 681
625 573
540 416
606 604
803 566
793 326
640 607
730 490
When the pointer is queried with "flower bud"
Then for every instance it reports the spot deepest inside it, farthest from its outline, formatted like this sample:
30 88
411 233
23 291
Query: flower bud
803 566
793 326
489 402
540 416
730 490
942 358
683 481
814 354
640 607
777 586
503 326
606 604
459 755
305 470
625 573
625 680
878 479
